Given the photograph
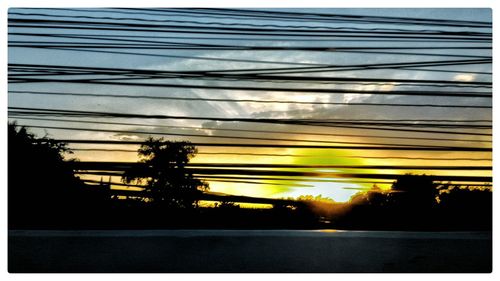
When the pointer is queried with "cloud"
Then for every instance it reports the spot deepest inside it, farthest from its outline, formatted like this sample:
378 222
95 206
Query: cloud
464 77
126 137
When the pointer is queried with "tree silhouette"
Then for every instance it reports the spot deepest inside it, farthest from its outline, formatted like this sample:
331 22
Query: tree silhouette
168 182
417 202
421 188
41 184
466 206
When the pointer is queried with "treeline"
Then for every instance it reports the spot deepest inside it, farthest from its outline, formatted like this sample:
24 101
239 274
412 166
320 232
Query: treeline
43 192
414 202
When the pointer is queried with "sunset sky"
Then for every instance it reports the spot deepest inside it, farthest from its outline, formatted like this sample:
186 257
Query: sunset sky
243 76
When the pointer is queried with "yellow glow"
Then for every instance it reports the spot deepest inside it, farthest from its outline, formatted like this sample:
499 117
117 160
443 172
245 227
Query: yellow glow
328 230
245 189
211 204
339 191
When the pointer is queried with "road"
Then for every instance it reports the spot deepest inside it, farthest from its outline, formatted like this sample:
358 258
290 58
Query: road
102 251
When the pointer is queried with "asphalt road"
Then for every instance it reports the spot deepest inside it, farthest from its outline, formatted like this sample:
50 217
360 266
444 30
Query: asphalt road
247 251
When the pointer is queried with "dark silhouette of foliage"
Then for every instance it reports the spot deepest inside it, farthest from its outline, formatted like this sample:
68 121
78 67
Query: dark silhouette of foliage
414 191
168 181
465 206
226 205
45 193
416 202
41 186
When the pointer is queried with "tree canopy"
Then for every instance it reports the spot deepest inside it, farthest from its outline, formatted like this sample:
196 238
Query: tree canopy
168 182
41 183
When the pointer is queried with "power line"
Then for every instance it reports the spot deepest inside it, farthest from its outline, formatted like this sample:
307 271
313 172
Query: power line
273 70
113 37
384 122
324 166
227 14
200 30
308 180
252 48
154 74
300 155
268 62
256 89
121 166
301 177
268 131
204 23
253 145
250 100
192 57
230 27
96 165
13 111
378 19
225 136
181 45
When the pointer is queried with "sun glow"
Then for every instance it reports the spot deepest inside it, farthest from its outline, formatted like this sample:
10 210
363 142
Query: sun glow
283 187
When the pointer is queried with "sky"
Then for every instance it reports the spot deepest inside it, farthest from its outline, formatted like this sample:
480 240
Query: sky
350 87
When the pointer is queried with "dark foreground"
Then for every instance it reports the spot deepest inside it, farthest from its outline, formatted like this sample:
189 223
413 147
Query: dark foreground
248 251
